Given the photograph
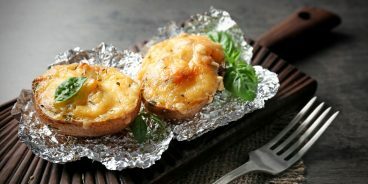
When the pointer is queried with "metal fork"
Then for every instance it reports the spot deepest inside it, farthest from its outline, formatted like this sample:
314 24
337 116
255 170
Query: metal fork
288 146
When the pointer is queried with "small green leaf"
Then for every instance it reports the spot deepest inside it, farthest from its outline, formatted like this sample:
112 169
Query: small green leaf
69 88
139 129
240 78
241 81
147 124
231 48
161 127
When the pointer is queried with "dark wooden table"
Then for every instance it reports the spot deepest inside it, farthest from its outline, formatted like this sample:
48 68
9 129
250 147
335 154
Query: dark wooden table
32 32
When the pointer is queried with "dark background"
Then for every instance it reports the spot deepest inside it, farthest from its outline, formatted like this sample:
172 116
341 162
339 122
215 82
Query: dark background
33 32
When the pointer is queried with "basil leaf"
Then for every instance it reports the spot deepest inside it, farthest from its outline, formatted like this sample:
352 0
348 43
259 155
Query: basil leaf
145 122
161 126
231 49
139 129
69 88
241 81
240 78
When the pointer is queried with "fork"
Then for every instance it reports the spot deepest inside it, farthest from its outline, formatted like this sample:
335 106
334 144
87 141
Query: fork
288 146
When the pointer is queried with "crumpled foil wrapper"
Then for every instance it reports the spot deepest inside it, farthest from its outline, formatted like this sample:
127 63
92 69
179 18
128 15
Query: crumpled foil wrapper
121 150
116 151
224 108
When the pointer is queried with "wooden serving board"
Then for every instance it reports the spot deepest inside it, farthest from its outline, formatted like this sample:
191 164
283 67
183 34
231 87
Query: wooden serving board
19 165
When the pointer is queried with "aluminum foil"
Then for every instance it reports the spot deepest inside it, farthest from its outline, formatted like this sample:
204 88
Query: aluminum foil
224 107
121 151
117 151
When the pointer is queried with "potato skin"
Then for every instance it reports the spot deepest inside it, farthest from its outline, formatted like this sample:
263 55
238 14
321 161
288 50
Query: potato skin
180 75
95 129
172 114
73 127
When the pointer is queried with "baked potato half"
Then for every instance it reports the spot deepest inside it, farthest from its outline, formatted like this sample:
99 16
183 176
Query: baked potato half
105 103
180 75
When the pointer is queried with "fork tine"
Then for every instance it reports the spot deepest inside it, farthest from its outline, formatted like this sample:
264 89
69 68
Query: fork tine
308 132
306 147
292 123
300 128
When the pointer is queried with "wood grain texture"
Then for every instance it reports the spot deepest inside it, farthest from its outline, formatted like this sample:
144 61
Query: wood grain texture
306 22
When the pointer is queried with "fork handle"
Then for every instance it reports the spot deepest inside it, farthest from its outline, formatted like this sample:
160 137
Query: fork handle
241 170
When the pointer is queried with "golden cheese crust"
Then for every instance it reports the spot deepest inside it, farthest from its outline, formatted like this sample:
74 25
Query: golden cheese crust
106 103
180 75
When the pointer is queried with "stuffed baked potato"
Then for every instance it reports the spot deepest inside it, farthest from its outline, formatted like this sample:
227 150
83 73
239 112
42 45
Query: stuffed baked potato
105 103
180 75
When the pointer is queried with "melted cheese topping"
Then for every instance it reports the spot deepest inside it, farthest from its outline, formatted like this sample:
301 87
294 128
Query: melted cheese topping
107 93
181 72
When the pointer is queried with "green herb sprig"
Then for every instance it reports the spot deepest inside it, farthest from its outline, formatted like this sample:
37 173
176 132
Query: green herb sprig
240 77
69 88
140 128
